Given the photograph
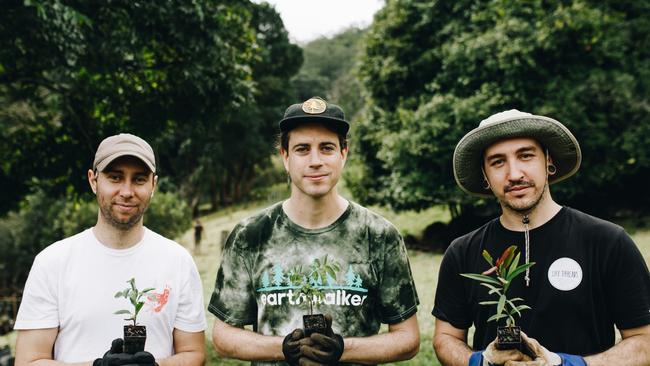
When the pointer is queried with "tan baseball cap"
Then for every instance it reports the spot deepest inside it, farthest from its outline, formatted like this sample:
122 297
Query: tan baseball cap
123 144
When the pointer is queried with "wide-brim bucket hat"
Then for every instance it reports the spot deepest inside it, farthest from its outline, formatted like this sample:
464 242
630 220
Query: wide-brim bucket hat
551 134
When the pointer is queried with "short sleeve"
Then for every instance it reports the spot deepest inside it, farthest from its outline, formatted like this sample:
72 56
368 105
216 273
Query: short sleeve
232 300
397 293
450 303
190 316
39 306
628 284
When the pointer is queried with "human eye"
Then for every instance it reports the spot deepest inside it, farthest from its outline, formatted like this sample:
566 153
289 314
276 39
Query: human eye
113 177
328 148
141 180
301 149
496 162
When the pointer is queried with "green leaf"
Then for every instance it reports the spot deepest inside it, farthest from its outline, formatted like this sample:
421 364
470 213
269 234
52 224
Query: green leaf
519 270
514 308
122 312
492 288
148 289
488 257
513 265
511 252
501 304
120 294
481 278
496 317
491 302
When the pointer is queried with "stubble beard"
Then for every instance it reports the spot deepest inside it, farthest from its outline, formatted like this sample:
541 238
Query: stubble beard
528 208
120 224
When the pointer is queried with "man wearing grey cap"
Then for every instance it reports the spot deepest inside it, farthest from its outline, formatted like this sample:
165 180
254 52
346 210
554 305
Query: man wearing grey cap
588 276
353 259
67 313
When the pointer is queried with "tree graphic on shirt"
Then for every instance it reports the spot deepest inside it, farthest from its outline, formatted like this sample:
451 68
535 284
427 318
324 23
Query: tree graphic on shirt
278 275
358 282
350 277
265 280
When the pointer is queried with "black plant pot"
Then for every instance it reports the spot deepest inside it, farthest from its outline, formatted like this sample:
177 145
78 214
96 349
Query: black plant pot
510 338
314 323
134 338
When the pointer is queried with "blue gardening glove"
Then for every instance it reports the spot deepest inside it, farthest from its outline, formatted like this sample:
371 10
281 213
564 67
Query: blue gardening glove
545 357
326 348
572 360
116 357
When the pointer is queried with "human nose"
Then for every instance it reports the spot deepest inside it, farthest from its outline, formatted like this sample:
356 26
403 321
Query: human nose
315 158
515 172
126 189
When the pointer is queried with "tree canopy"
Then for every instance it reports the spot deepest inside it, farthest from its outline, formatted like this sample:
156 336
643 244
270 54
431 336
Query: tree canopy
434 69
177 74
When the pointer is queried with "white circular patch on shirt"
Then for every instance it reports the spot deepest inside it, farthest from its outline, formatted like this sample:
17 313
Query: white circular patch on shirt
565 274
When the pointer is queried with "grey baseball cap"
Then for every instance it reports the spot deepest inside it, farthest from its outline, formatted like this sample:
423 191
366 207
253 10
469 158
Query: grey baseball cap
120 145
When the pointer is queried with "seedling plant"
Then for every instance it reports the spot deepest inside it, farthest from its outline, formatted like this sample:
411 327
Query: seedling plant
505 270
135 297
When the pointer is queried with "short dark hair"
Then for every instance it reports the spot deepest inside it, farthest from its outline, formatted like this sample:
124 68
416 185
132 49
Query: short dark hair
283 139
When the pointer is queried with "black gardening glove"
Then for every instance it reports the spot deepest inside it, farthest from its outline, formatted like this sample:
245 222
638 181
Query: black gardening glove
116 357
291 346
326 348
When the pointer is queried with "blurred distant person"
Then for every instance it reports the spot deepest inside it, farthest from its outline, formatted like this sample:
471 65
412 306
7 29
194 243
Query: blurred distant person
67 310
254 285
588 275
198 234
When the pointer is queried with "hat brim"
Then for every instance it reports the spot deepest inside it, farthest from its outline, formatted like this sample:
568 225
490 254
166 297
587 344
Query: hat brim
109 159
336 124
554 136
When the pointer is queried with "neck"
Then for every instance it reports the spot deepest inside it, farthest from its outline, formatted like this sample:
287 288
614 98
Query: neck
315 213
115 238
537 216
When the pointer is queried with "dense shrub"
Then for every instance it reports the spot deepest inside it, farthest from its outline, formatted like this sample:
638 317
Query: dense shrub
42 220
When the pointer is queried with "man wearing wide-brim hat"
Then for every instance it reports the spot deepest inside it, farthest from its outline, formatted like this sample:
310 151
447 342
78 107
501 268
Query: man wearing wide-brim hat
588 276
354 259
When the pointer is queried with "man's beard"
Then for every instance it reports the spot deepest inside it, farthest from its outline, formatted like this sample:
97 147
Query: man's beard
118 224
528 208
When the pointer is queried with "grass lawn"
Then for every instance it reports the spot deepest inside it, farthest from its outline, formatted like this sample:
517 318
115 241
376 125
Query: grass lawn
424 265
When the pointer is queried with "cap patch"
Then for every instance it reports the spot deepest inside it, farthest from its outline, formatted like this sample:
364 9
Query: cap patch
314 106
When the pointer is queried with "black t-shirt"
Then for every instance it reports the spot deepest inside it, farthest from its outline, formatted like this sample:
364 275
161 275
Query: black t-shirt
588 276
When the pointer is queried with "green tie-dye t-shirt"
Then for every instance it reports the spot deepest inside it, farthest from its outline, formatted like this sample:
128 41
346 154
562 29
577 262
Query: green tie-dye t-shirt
374 284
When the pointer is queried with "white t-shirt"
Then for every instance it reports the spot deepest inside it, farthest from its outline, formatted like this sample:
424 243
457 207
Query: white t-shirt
72 285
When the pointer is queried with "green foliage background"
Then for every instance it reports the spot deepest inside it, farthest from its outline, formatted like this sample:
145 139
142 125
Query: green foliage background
43 220
434 69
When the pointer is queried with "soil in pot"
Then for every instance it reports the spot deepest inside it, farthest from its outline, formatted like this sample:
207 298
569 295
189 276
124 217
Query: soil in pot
510 338
135 337
314 323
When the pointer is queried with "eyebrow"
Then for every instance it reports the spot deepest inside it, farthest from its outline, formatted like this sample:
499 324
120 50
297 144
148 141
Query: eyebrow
519 151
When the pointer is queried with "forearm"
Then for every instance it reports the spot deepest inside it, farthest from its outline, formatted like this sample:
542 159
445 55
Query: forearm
380 348
451 351
257 347
49 362
193 358
631 351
